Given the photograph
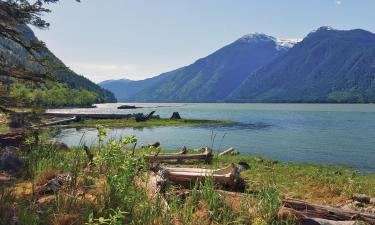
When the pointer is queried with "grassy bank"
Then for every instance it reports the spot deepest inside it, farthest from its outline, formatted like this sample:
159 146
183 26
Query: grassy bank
322 184
112 188
113 123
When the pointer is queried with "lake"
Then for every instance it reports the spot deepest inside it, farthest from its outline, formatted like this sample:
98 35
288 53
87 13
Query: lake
317 133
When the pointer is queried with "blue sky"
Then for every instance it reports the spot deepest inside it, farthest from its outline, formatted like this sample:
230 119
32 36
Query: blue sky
135 39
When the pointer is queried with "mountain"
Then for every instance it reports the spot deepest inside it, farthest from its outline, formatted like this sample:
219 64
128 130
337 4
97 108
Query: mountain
17 56
210 79
108 82
125 88
327 66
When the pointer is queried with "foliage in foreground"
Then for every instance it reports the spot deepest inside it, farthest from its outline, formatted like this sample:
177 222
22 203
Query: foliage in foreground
118 170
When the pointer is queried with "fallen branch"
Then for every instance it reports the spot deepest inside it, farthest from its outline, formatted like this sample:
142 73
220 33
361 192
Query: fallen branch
63 121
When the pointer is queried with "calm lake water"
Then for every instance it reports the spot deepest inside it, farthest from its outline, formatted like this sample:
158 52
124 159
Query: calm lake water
316 133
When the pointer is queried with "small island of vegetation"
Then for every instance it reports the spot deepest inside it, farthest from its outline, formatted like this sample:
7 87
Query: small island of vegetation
115 123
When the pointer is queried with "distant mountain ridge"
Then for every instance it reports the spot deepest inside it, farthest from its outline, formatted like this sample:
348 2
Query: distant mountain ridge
327 66
209 79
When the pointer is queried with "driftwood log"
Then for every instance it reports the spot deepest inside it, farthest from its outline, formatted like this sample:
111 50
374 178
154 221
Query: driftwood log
228 177
63 121
140 117
326 212
206 156
228 151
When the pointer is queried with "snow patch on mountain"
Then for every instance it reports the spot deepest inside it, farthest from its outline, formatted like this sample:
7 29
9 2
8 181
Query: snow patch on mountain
286 43
280 43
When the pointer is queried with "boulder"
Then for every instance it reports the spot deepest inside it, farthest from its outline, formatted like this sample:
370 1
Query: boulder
55 184
361 198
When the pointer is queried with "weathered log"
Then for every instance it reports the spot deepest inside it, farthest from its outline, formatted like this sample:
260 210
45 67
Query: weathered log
229 150
207 156
326 212
140 117
301 219
63 121
228 177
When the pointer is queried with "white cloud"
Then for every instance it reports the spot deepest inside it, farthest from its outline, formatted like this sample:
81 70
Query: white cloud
338 2
99 72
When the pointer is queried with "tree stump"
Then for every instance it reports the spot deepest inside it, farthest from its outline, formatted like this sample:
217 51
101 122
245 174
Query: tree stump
175 116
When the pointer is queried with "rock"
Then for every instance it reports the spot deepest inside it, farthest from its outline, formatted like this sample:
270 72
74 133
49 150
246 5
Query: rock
155 145
11 160
175 116
372 201
55 184
243 166
361 198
